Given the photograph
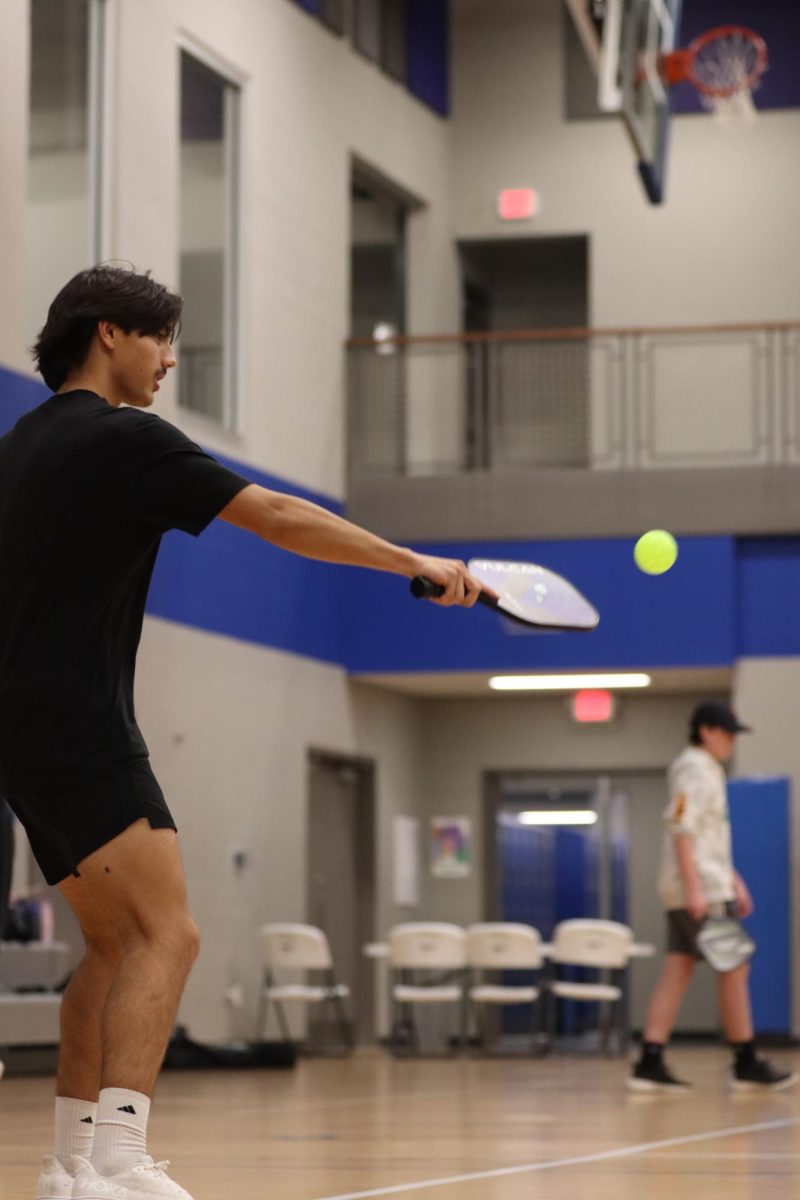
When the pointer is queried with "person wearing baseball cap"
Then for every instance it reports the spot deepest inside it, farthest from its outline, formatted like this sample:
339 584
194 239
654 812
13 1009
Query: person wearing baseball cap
696 875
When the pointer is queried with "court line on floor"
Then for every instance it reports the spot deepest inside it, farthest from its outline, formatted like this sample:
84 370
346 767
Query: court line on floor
729 1154
580 1160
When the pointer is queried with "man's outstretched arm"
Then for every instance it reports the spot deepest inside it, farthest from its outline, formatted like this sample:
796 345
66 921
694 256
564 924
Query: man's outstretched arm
307 529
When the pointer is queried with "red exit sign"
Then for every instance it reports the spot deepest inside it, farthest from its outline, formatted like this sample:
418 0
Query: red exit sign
517 204
593 707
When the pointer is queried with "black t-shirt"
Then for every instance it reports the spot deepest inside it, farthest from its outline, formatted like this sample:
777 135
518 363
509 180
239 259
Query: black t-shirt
86 492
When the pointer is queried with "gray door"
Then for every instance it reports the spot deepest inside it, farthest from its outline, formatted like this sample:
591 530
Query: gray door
341 872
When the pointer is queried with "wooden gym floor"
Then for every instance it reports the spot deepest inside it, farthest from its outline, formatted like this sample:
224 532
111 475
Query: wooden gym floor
562 1128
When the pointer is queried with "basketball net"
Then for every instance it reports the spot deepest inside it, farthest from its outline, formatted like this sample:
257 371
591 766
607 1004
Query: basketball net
725 65
734 111
727 70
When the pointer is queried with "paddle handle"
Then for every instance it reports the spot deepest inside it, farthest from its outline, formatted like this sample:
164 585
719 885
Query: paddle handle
423 588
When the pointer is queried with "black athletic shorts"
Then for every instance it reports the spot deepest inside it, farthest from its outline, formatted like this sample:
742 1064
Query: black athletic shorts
682 929
65 826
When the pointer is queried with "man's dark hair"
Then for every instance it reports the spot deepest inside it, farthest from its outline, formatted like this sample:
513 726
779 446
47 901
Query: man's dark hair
134 302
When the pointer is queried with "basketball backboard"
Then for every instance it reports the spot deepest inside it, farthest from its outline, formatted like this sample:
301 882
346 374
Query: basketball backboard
624 41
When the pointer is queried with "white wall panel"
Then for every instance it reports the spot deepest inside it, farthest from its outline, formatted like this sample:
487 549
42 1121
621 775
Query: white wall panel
229 726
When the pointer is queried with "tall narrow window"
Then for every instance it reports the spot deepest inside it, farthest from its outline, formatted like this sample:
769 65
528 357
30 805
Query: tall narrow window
64 218
208 241
332 12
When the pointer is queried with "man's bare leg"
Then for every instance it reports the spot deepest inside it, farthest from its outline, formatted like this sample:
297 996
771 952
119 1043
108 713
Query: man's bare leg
750 1069
675 977
651 1073
734 1004
83 1004
126 892
141 942
137 881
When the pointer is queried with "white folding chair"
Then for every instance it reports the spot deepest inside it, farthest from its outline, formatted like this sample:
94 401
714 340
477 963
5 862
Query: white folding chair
494 947
604 945
427 961
303 950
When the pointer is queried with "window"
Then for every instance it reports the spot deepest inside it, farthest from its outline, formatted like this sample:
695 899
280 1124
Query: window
332 12
408 39
381 34
64 227
208 241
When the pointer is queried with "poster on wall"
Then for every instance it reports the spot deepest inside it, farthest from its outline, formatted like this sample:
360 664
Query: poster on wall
451 847
406 861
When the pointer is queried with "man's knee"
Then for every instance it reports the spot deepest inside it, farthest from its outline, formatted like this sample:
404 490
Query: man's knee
177 938
681 965
170 930
188 936
738 977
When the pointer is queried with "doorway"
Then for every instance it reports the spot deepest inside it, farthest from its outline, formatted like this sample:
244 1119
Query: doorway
378 216
527 399
341 872
525 283
558 849
608 869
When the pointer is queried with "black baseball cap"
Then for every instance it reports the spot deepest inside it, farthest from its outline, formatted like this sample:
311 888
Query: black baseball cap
717 716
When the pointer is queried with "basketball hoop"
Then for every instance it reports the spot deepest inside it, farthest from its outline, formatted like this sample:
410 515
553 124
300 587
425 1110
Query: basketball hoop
725 65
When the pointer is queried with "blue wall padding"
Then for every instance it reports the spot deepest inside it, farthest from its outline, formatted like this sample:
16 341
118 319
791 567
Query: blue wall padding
233 584
768 597
724 599
18 394
760 824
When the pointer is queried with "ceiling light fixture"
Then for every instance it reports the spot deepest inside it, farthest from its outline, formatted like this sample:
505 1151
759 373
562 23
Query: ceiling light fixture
575 816
567 683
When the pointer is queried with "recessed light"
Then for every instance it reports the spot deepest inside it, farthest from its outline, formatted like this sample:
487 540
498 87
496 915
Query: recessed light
567 683
576 816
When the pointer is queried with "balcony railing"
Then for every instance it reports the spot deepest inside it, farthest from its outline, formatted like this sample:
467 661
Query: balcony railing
594 399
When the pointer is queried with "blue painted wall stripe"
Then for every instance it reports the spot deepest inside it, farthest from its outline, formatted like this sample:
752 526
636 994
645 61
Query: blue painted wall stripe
646 621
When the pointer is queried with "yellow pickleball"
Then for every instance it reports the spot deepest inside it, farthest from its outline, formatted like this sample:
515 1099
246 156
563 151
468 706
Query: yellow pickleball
655 552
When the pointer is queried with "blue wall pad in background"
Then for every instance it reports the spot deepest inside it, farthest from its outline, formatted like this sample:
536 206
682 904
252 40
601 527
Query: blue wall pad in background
768 597
760 816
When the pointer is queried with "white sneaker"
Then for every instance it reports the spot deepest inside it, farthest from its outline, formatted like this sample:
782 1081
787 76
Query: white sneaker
146 1180
55 1181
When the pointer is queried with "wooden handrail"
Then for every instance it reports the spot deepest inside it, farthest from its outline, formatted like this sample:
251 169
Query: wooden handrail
569 334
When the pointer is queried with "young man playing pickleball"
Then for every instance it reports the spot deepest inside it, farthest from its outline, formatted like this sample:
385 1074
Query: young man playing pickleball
87 488
697 872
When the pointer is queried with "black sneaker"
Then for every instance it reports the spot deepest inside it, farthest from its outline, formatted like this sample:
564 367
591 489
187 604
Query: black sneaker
656 1077
758 1074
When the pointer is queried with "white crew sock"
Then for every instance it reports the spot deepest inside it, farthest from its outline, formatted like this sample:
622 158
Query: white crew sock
75 1120
120 1137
